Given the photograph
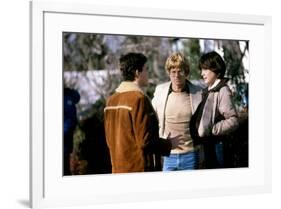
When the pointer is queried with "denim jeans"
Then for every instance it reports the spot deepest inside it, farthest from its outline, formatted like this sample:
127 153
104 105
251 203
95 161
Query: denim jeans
186 161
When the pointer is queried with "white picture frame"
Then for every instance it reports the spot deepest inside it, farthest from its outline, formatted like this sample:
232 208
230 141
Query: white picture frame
49 188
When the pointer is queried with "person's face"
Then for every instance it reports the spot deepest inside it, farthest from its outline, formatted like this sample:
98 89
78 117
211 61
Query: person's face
177 77
208 76
143 76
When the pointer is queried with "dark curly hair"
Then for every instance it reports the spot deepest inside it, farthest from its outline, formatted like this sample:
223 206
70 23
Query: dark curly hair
214 62
130 63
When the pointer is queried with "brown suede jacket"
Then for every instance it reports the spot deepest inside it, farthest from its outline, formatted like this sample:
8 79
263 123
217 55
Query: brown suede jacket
131 130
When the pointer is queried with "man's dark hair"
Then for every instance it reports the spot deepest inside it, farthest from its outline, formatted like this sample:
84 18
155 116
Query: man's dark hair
214 62
130 63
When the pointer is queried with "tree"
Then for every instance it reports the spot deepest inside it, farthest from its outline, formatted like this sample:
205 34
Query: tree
192 52
235 69
82 51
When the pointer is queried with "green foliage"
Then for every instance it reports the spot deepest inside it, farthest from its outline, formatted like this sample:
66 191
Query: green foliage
97 109
78 138
192 52
83 51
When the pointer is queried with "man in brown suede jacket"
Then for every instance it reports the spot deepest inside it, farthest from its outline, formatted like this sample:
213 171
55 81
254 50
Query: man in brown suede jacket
131 125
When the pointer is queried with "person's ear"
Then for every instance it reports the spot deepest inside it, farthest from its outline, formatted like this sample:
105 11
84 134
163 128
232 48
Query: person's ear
137 73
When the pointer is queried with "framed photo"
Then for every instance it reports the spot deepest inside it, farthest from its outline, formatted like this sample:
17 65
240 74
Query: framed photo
53 27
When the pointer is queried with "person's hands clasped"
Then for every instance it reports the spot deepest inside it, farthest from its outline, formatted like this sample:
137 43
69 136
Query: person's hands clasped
176 140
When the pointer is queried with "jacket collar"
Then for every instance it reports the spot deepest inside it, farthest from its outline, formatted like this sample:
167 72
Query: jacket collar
128 86
214 84
218 85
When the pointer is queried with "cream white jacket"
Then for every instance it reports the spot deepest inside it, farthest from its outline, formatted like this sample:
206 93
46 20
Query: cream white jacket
160 99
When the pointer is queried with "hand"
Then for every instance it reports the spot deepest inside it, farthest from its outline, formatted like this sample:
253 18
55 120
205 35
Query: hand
176 141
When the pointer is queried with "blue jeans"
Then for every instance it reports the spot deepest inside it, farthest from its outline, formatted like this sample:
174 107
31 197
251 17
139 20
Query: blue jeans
186 161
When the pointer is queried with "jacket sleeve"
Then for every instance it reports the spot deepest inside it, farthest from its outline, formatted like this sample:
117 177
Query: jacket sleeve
146 129
229 117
